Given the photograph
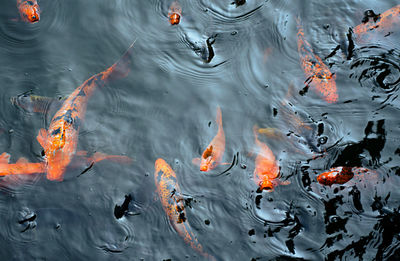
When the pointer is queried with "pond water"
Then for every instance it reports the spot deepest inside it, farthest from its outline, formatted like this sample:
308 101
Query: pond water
241 56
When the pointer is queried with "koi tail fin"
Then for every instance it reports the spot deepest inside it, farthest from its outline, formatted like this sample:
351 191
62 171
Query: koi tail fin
121 68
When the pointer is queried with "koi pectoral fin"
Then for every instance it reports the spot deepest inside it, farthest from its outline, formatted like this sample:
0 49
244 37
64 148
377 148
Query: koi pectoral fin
196 161
22 167
98 156
42 137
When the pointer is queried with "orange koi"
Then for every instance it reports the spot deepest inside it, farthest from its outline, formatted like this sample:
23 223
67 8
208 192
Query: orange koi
340 175
382 23
266 172
28 10
318 74
60 140
168 190
174 13
212 155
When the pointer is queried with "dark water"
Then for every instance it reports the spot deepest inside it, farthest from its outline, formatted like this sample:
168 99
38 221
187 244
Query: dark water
241 58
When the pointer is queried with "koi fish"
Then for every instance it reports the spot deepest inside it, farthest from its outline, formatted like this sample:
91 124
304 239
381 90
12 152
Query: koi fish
266 172
297 127
319 77
174 13
168 190
60 140
28 10
340 175
382 23
212 155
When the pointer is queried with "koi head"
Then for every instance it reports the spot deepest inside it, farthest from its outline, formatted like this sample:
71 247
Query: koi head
23 100
174 18
266 185
29 11
207 159
325 179
174 13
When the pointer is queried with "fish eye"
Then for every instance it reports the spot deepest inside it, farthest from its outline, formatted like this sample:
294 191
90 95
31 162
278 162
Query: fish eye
29 2
322 140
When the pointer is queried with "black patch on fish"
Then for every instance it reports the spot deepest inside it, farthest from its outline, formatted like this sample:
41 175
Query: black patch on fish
68 117
119 211
81 93
55 132
370 14
76 123
94 80
57 118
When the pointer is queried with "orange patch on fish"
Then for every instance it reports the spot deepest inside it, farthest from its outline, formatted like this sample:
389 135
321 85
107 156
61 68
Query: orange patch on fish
174 13
212 155
29 10
383 23
266 172
173 204
340 175
319 77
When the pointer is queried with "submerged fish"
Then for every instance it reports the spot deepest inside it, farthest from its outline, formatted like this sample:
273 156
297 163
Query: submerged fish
340 175
266 172
60 140
297 127
36 103
174 13
212 155
382 23
28 10
169 192
319 77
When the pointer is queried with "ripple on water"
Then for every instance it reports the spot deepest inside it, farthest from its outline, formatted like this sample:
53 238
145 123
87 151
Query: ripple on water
377 68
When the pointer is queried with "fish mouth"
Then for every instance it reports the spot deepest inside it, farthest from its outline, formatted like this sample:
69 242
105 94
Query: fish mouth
204 168
34 19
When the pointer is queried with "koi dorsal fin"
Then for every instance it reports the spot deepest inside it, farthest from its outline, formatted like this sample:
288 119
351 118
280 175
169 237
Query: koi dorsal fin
42 137
207 153
22 161
4 158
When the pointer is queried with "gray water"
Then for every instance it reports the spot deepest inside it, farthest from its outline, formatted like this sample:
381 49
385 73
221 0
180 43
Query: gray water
166 108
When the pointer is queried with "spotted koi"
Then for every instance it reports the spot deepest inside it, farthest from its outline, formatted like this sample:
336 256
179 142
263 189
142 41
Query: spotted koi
168 191
382 23
319 77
